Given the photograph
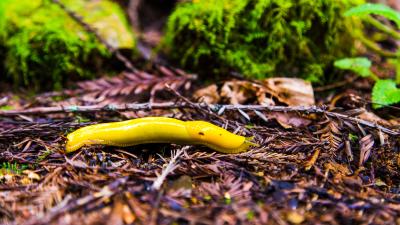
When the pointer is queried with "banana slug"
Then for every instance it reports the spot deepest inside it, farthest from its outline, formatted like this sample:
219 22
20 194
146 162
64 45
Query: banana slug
158 130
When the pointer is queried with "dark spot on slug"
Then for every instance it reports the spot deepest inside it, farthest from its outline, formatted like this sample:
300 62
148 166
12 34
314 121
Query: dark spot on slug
201 133
220 134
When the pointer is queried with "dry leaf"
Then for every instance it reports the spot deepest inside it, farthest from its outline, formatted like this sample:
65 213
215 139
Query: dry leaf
337 168
289 119
26 181
117 214
9 177
295 217
373 118
183 182
332 135
313 159
263 99
208 94
31 175
366 144
292 91
237 92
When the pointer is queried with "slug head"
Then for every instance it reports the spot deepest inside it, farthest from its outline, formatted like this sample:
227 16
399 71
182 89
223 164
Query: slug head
73 142
80 138
214 136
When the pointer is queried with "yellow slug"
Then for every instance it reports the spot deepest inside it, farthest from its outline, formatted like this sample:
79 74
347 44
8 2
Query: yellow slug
158 130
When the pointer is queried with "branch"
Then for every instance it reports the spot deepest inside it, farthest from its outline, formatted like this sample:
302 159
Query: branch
172 165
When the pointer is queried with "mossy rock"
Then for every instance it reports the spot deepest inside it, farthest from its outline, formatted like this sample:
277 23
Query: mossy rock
261 38
45 47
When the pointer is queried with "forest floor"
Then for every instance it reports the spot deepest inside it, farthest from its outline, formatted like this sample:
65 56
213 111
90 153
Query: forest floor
325 156
337 163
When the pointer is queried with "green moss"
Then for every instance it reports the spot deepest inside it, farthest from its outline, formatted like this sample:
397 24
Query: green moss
45 47
261 38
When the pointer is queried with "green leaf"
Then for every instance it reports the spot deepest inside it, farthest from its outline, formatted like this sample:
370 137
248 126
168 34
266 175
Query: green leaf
384 93
359 65
377 9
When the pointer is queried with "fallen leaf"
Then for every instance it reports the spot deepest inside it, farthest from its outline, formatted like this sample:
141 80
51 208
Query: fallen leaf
289 119
366 144
373 118
208 94
31 175
312 161
183 182
292 91
8 177
337 168
237 92
294 217
26 181
117 214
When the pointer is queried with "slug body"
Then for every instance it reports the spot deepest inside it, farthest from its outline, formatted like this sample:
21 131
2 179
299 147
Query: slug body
158 130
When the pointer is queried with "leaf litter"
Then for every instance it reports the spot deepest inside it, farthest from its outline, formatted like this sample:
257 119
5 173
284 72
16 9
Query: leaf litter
326 167
315 165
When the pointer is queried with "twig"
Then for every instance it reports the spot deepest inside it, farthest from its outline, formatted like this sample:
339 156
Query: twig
175 105
172 165
90 29
363 122
92 108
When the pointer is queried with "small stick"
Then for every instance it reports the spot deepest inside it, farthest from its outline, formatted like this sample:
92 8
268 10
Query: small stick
172 165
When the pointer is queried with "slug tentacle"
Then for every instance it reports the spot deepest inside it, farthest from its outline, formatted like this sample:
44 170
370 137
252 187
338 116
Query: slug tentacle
158 130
